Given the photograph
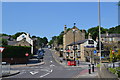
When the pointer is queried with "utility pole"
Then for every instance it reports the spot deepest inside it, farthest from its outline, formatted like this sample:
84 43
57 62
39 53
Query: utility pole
99 22
74 41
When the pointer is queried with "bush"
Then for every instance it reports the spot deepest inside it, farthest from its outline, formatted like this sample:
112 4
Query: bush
15 51
115 71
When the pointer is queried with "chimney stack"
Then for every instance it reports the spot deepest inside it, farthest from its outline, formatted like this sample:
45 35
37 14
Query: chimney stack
65 28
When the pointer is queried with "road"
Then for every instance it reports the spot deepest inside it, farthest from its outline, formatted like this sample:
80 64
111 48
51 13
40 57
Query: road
51 69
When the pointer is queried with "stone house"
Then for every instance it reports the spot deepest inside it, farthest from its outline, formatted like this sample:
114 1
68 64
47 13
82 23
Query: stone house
84 49
70 36
23 42
110 40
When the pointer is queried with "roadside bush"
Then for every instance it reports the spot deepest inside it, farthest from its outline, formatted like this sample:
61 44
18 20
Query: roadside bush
115 71
15 51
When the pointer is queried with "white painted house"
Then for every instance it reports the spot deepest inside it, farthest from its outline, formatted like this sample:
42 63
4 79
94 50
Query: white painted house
27 38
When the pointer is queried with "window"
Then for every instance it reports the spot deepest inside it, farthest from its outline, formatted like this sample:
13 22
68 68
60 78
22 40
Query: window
78 47
90 42
23 36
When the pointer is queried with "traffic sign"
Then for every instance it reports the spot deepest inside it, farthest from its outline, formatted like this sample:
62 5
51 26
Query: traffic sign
26 54
113 51
1 49
95 51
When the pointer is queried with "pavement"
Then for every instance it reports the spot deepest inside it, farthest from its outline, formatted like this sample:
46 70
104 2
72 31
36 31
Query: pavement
104 73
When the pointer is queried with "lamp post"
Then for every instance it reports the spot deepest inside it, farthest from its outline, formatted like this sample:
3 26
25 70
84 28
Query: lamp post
74 40
99 22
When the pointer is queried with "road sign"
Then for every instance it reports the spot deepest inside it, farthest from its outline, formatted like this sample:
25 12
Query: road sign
89 46
1 49
26 54
113 51
95 51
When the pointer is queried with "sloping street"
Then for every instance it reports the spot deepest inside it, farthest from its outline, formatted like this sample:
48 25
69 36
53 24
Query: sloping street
51 69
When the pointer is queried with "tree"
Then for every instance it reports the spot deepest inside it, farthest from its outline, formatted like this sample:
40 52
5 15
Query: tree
33 36
114 30
5 35
45 41
3 42
95 31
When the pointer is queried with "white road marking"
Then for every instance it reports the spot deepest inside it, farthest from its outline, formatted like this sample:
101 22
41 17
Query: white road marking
51 61
52 65
33 73
44 75
44 70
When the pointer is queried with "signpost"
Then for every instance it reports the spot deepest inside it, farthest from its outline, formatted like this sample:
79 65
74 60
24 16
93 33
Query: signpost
95 51
26 54
1 49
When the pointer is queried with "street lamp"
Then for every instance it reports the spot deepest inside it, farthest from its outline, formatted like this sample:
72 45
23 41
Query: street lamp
99 22
74 30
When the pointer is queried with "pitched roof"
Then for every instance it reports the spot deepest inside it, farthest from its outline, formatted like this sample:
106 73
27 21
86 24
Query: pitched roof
5 37
12 42
110 35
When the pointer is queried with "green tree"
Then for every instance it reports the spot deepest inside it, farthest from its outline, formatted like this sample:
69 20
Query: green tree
95 31
115 29
34 37
45 41
4 34
3 42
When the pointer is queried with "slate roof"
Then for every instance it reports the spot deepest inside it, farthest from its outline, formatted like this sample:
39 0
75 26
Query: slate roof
110 35
5 37
78 42
12 42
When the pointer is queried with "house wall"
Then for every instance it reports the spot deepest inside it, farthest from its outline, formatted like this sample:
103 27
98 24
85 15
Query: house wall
82 51
68 37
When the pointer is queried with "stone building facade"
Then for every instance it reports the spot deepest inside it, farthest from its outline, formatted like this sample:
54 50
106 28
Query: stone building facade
84 49
69 36
110 40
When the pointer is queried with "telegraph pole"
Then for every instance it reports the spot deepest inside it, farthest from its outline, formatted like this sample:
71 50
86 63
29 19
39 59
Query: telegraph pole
99 22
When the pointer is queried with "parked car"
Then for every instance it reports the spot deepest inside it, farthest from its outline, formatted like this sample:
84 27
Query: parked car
40 54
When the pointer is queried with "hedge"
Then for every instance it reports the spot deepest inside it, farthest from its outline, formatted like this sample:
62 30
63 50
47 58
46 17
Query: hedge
115 70
15 51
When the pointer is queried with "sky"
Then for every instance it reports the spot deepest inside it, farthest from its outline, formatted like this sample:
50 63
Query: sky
47 19
59 0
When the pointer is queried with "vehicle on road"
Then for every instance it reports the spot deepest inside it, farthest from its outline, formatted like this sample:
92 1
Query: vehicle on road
40 55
